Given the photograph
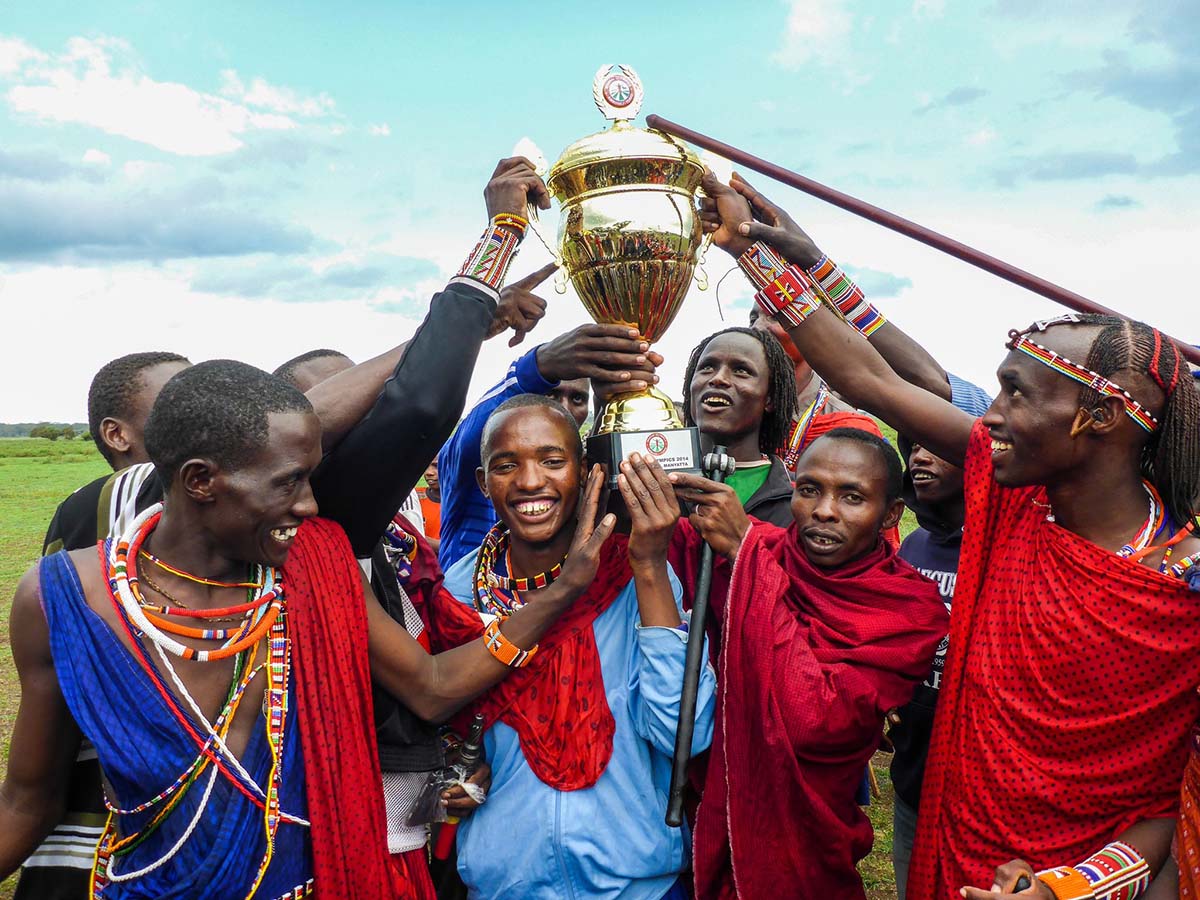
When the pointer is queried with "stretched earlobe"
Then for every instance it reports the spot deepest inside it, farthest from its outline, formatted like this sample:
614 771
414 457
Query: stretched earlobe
1084 420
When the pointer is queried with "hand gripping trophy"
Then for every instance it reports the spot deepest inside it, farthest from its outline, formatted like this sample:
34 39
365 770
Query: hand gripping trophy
629 236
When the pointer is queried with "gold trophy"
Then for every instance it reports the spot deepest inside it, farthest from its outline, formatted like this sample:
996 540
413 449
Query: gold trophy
628 238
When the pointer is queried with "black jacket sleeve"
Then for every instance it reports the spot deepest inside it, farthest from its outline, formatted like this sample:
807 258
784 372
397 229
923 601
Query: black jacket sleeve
362 482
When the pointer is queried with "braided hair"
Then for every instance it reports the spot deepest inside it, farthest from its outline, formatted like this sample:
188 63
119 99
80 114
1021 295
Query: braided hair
1171 457
781 389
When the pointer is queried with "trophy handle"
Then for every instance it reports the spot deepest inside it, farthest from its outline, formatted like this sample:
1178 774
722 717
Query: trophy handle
531 213
701 274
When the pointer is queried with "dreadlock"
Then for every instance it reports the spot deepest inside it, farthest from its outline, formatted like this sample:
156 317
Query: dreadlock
781 391
1171 457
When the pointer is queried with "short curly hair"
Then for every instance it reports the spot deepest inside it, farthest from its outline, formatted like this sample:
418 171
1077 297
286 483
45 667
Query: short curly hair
114 387
216 410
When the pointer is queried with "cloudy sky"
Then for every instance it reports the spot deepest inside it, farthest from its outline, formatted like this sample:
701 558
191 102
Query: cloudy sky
254 180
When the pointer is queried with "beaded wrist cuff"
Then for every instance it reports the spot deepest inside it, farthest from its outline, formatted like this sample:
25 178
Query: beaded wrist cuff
489 261
512 220
1067 883
1118 872
505 650
789 297
761 264
847 296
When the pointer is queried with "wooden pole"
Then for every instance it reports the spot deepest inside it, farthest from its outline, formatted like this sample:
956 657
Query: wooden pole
896 223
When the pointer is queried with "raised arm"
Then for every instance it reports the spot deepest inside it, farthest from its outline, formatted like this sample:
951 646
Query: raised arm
409 399
435 687
847 361
45 739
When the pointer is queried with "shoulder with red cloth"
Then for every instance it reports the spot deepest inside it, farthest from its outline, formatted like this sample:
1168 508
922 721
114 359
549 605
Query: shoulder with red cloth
823 630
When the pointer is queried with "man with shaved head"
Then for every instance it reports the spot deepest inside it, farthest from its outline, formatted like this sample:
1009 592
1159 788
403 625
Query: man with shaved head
1070 688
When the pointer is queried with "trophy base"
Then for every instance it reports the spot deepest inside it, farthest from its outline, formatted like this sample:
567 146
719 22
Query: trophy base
675 449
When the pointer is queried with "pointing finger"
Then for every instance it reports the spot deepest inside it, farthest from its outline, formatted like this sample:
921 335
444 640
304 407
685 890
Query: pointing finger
533 279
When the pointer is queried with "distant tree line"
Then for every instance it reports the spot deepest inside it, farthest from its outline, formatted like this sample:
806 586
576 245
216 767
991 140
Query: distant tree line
52 430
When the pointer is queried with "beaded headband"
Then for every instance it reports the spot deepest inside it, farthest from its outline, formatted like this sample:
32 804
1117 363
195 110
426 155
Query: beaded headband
1104 387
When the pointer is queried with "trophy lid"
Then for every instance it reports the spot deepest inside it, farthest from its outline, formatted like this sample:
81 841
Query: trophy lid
617 91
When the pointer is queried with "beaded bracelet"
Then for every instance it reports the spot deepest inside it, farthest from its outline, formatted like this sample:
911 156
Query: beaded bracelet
505 650
1118 872
489 261
511 220
847 296
761 264
789 297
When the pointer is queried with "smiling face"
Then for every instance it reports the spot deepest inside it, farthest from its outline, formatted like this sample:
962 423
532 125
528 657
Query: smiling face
532 472
1030 420
935 481
257 507
730 388
840 501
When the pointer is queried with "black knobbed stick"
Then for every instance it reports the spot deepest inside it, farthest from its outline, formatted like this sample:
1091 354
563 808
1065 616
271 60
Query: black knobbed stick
716 465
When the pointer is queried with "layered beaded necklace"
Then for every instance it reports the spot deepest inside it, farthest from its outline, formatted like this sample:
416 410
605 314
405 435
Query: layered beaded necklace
801 426
500 595
1142 542
263 621
1154 524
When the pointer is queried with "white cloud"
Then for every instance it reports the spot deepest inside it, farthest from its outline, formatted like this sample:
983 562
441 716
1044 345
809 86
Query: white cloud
814 30
14 53
94 157
275 98
380 130
98 82
982 137
929 9
529 149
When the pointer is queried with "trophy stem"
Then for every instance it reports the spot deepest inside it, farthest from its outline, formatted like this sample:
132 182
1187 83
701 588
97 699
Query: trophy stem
645 410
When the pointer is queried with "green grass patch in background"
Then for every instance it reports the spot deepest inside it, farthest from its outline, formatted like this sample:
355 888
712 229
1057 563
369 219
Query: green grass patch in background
35 476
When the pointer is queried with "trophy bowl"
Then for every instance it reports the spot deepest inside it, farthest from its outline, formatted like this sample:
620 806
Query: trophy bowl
629 234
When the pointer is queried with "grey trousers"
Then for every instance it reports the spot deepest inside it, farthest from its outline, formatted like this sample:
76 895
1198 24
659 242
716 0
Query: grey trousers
904 831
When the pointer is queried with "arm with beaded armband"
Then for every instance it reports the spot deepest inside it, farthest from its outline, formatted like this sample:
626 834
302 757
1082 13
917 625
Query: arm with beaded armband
762 264
783 290
1117 872
908 359
495 251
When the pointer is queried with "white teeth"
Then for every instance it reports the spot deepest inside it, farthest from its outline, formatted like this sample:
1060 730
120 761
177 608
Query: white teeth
998 446
715 401
532 509
283 535
922 476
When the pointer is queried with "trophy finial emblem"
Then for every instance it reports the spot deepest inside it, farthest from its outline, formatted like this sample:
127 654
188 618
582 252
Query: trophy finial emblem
617 91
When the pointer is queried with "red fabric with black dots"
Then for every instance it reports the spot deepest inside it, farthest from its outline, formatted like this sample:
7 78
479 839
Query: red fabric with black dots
556 703
327 626
1068 700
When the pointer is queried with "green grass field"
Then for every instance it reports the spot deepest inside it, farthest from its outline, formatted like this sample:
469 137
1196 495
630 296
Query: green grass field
36 474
